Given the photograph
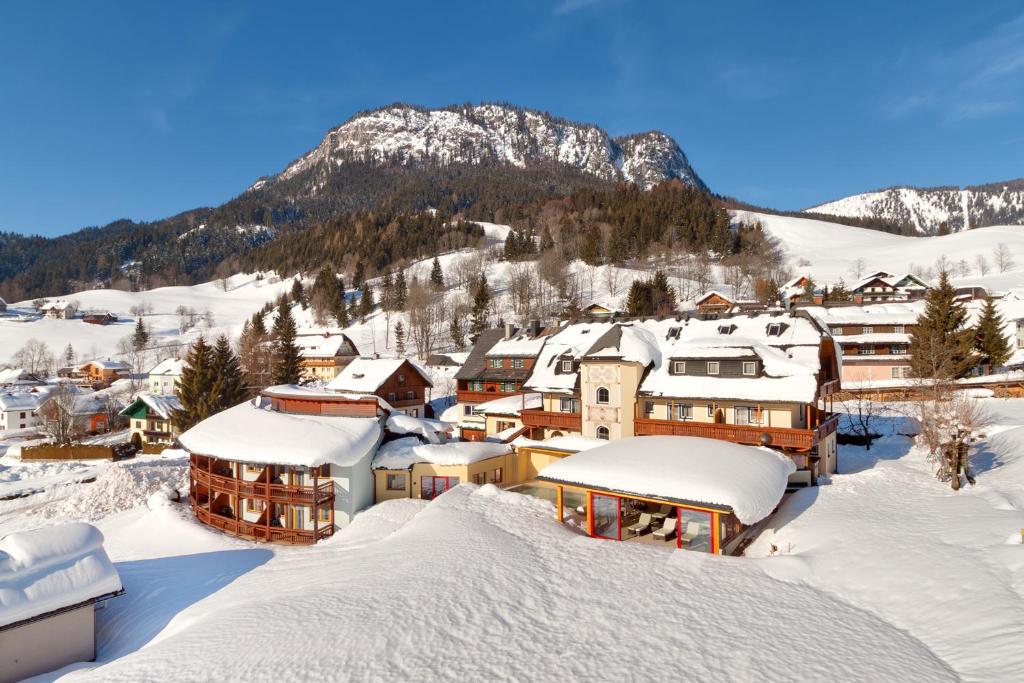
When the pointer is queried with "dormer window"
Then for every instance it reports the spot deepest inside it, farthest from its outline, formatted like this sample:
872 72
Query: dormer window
749 368
518 363
673 333
495 362
567 366
712 367
726 329
774 329
679 367
867 329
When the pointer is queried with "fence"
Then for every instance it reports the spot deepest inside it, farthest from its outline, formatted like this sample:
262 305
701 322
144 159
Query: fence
77 452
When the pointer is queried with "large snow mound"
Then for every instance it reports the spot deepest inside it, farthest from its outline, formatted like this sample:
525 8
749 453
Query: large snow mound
748 479
50 568
406 452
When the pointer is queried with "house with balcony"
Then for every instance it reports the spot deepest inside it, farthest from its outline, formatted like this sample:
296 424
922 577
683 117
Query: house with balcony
884 287
874 339
324 356
101 373
58 310
749 379
499 363
403 384
163 379
289 466
151 420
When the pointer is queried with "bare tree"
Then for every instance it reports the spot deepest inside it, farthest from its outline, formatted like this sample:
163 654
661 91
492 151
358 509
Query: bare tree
981 263
857 268
427 317
520 282
861 410
963 268
136 358
58 413
34 356
949 422
612 278
1002 257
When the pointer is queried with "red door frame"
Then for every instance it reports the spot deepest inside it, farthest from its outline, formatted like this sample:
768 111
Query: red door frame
433 485
618 516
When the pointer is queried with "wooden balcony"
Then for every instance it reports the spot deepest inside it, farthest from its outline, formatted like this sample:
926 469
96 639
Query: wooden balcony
275 493
552 420
259 532
794 439
467 396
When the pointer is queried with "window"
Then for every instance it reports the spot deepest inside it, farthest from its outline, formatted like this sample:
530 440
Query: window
410 395
325 470
648 408
683 411
746 415
898 350
323 514
396 482
566 366
712 367
906 372
896 373
569 405
673 333
867 329
775 329
602 433
253 505
496 476
679 367
867 350
711 410
476 386
401 379
495 362
749 368
602 395
467 410
480 478
253 469
837 330
899 329
391 396
518 363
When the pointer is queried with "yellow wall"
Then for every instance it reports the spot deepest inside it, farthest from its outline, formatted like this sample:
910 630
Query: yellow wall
783 415
622 381
493 420
465 473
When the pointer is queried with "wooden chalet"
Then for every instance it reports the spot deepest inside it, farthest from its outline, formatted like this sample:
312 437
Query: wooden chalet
403 384
99 318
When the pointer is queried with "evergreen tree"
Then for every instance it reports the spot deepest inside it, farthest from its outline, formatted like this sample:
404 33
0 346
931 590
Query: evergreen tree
229 384
357 277
399 338
387 292
436 276
591 251
366 301
991 345
195 391
573 310
287 365
839 292
638 300
663 297
69 355
401 291
341 312
808 293
546 241
481 302
457 334
140 338
940 347
298 292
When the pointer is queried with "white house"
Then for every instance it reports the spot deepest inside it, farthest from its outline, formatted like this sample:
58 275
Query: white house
17 411
165 377
58 309
51 580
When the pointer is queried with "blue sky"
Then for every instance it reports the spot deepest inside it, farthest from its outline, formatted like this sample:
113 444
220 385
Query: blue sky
142 110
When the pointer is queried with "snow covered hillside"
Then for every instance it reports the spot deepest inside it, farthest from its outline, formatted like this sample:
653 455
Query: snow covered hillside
928 208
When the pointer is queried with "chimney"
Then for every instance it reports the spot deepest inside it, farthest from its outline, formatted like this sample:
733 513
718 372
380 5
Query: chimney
534 328
510 329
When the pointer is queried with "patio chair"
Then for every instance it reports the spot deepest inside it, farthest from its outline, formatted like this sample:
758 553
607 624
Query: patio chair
641 526
691 532
667 530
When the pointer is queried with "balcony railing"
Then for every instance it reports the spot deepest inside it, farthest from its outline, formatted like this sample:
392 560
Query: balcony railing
469 396
797 439
260 532
552 420
276 493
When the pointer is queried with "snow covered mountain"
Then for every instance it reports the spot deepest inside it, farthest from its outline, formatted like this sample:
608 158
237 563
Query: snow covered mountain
928 208
468 134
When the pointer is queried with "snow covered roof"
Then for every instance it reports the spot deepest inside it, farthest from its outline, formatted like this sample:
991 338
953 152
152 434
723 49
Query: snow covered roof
627 342
403 453
168 366
48 569
509 405
18 376
164 406
518 345
569 343
369 374
58 305
431 430
19 401
750 480
106 364
252 432
868 314
325 345
713 292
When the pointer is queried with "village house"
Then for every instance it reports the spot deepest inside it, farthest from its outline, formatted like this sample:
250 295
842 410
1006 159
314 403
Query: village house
289 466
150 419
874 339
324 356
502 417
101 373
163 379
52 580
408 468
90 412
795 291
601 310
20 377
402 383
60 309
99 318
17 411
713 303
680 492
885 287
